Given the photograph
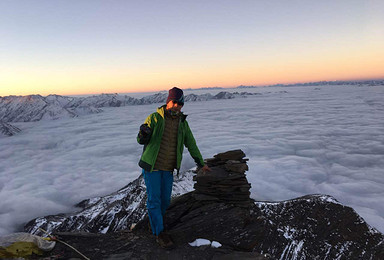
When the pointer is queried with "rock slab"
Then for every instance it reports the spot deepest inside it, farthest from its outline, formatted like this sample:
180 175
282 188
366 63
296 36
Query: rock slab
226 182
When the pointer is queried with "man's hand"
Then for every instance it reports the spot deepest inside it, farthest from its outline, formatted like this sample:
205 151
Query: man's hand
145 130
206 168
144 134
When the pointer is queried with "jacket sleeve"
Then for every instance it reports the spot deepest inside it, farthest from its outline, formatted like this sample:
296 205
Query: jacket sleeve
190 143
142 137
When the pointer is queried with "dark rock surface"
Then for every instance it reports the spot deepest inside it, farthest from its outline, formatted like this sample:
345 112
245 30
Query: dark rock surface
317 225
304 228
124 245
309 227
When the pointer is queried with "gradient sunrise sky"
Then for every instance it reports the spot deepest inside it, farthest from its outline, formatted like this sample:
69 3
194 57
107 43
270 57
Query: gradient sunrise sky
86 46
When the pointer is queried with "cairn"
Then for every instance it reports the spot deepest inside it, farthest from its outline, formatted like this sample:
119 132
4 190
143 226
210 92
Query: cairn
226 182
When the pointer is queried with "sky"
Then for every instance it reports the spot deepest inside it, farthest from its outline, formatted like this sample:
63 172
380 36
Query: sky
83 47
299 141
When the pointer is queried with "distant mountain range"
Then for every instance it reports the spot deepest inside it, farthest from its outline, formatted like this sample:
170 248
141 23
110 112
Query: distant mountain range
204 88
36 107
378 82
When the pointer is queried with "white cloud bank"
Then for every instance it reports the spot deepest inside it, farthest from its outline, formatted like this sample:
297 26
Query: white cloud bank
305 141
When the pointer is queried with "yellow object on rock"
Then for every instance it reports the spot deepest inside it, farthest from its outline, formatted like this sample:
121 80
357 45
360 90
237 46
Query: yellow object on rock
23 245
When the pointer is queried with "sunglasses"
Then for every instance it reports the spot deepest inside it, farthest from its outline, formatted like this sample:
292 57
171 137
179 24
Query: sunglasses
180 103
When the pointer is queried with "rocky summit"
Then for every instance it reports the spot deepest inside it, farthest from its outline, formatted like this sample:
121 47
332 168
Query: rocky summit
226 182
220 209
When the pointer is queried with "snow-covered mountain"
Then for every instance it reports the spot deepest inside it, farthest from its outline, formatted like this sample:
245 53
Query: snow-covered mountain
111 213
378 82
36 107
33 108
8 129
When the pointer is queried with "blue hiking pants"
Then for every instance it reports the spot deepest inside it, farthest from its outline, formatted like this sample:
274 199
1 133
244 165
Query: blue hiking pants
159 190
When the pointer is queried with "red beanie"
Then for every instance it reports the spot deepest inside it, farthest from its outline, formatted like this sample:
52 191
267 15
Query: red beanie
175 94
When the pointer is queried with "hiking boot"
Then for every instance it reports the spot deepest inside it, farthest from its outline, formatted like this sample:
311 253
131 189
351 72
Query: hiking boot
164 240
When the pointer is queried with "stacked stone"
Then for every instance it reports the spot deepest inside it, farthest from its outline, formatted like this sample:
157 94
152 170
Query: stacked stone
226 182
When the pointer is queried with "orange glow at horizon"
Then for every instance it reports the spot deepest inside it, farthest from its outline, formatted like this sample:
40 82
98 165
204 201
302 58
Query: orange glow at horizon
284 69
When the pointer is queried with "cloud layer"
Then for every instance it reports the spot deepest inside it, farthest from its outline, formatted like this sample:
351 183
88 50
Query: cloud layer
300 140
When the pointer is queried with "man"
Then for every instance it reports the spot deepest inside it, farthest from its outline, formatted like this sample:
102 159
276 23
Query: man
164 134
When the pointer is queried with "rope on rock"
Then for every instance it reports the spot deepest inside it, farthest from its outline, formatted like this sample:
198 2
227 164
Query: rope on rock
68 245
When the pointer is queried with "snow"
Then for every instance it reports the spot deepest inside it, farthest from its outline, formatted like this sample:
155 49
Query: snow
200 242
299 141
204 242
288 232
292 250
215 244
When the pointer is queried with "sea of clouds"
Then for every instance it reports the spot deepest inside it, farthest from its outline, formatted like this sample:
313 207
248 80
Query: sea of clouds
300 140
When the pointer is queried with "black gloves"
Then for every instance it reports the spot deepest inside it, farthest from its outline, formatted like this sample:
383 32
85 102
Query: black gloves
145 130
144 134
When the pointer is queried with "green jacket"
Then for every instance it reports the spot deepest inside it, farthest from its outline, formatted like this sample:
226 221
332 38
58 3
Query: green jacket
156 123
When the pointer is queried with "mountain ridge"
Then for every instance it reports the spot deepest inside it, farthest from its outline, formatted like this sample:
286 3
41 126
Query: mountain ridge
34 108
372 82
